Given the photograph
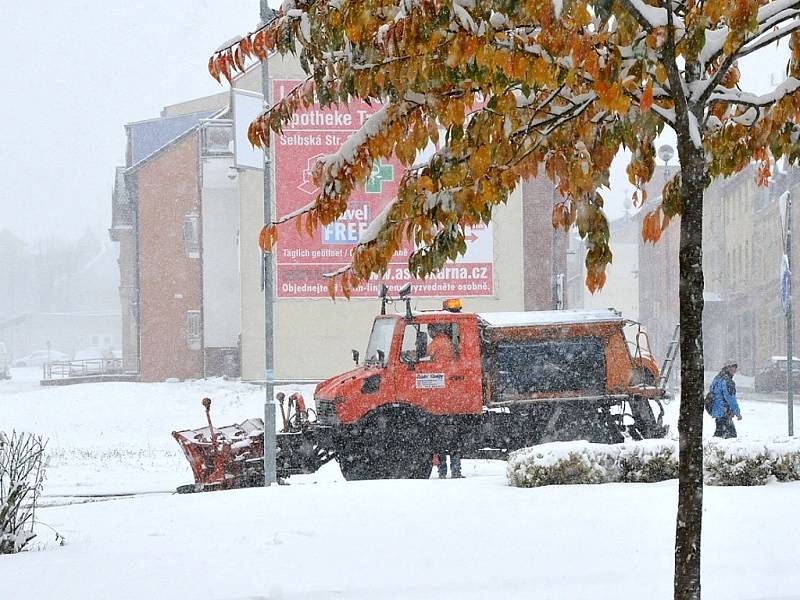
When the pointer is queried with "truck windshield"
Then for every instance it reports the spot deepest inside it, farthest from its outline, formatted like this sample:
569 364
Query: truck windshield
380 339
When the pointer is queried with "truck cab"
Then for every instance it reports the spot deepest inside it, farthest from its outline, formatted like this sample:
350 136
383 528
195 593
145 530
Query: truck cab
432 362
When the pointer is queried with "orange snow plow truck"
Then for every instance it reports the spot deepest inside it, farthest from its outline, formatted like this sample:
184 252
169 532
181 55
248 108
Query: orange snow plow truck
482 383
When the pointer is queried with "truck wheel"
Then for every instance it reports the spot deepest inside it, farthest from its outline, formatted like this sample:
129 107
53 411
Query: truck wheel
607 429
407 448
356 461
354 466
644 421
393 445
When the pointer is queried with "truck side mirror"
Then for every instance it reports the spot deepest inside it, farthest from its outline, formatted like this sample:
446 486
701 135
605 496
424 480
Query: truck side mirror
355 356
381 355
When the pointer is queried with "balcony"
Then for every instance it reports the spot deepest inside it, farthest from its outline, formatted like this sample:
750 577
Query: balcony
216 137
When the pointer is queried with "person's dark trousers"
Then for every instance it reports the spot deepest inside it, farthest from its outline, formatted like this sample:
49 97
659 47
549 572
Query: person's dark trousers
725 427
442 466
455 465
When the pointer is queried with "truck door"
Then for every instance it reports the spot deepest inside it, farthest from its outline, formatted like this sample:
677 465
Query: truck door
436 373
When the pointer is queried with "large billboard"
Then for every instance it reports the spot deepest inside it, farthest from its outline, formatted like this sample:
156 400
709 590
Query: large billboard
302 261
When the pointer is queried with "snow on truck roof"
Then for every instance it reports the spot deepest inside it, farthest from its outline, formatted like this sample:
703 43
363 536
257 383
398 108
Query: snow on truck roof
549 317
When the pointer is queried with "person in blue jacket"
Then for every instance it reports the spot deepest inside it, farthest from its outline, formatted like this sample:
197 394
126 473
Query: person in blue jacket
725 406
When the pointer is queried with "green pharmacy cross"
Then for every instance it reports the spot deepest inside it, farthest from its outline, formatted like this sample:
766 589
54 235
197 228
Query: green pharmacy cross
377 176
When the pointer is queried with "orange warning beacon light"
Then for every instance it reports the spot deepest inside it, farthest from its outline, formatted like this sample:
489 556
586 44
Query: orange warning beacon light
453 305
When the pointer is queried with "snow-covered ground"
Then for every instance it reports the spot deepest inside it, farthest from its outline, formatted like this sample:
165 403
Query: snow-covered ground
321 537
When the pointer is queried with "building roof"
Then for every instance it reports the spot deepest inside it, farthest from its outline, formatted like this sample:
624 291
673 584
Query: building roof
550 317
146 137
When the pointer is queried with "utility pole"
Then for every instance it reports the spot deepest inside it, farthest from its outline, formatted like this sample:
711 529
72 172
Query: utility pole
270 440
789 319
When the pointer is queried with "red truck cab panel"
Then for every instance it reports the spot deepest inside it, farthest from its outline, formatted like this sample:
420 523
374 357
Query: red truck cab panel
413 368
446 380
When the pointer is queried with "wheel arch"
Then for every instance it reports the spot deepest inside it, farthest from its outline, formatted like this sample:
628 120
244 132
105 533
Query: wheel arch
644 366
394 409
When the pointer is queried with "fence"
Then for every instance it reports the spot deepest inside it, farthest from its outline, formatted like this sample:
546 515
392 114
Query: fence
92 367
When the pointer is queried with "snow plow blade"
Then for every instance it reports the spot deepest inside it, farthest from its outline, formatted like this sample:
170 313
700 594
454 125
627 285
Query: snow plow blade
233 456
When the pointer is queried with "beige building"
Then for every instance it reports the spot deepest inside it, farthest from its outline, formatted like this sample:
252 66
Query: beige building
621 290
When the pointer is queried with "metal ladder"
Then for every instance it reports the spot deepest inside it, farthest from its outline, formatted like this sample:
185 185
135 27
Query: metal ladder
669 359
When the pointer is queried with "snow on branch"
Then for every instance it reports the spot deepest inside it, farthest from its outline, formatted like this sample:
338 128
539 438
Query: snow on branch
715 40
296 213
330 166
347 153
768 11
769 18
461 15
694 131
773 35
733 96
337 272
370 234
651 17
667 114
767 33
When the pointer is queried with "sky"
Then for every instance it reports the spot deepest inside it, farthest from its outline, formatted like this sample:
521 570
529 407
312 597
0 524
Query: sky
82 69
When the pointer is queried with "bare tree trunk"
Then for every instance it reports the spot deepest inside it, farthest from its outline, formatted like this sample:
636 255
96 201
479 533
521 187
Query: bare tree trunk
690 422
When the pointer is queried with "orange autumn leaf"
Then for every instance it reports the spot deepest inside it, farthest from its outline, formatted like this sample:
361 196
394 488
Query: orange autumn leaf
213 69
268 237
651 226
647 97
332 288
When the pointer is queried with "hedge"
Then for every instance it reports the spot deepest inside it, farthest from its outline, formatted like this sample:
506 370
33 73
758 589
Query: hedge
726 462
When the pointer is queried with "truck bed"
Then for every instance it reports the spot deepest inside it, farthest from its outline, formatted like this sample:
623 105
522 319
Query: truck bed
546 355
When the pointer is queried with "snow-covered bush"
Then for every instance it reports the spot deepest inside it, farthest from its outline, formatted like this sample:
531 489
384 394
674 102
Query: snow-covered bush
785 458
21 479
726 462
648 461
562 463
734 462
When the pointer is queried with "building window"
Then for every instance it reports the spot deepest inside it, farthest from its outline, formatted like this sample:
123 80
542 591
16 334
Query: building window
191 235
747 258
728 265
738 265
194 329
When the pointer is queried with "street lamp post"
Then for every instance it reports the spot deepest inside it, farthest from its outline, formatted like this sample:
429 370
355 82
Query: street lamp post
270 440
789 319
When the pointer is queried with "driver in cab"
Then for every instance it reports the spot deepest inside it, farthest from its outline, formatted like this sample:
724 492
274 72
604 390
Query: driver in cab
440 348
